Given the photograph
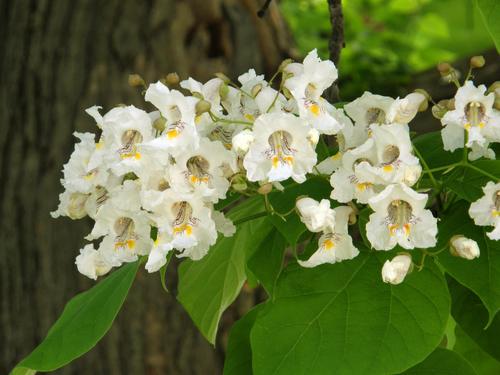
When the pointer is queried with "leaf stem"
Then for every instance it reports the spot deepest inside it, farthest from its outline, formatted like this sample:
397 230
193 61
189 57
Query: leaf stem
251 217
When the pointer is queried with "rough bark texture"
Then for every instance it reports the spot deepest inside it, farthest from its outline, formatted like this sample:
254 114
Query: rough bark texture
57 58
335 43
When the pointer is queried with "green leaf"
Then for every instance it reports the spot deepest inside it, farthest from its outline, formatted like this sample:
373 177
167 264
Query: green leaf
342 319
239 353
84 321
481 361
208 286
22 371
431 147
293 228
471 315
481 275
467 182
442 362
267 261
363 217
490 12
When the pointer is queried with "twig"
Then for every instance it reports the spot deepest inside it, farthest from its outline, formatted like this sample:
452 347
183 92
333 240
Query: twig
336 42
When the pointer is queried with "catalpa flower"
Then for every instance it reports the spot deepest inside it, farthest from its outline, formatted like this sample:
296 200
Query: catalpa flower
335 244
347 185
91 263
201 171
281 149
395 161
475 115
394 271
400 218
486 210
179 114
307 84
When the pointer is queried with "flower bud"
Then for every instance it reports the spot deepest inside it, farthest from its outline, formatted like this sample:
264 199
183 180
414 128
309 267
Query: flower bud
239 183
159 124
256 89
464 247
242 141
265 189
284 64
202 106
477 61
444 68
317 216
313 136
223 91
76 206
223 77
443 106
135 80
395 270
172 79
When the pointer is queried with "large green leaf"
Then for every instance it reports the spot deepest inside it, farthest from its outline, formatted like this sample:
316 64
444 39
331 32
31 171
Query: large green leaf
467 182
490 12
283 202
342 319
430 145
239 353
471 315
84 321
208 286
481 275
442 362
267 261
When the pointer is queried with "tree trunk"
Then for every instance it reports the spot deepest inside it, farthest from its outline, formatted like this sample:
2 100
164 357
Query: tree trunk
57 58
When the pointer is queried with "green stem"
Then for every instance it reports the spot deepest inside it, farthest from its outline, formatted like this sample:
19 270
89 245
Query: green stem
482 171
427 169
216 118
443 168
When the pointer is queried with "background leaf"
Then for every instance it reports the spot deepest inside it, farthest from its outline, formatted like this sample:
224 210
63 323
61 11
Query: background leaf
490 12
84 321
481 275
343 319
442 362
209 285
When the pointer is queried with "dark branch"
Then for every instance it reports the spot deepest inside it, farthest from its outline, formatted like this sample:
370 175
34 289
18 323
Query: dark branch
262 11
336 42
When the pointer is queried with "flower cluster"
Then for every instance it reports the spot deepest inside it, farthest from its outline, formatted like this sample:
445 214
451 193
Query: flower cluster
150 181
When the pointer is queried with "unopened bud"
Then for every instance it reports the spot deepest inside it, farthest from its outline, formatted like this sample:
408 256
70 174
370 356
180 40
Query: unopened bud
464 247
223 91
287 93
159 124
239 183
265 189
130 176
256 89
494 87
135 80
284 64
444 68
202 106
443 106
242 141
313 136
477 61
223 77
172 79
425 103
395 270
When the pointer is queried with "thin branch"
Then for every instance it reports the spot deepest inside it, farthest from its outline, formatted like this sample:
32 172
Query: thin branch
336 42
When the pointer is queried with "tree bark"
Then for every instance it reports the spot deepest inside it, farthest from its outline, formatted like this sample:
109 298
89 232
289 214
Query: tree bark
57 58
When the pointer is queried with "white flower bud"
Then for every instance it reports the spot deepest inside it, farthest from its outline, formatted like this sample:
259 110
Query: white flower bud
242 141
313 136
394 271
317 216
412 174
91 263
464 247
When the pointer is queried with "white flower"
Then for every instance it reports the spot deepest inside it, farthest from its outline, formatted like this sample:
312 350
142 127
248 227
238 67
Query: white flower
400 218
395 270
91 263
369 109
346 184
486 210
464 247
335 245
158 256
317 216
72 205
242 141
201 170
402 111
280 149
187 224
307 83
474 114
179 112
395 160
223 224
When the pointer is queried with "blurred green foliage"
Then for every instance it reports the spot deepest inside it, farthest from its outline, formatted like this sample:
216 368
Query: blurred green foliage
388 41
